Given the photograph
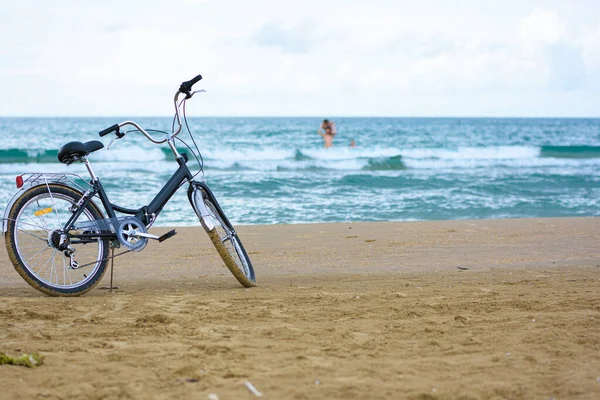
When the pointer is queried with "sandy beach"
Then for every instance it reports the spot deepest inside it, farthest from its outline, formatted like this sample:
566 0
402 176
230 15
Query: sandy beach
482 309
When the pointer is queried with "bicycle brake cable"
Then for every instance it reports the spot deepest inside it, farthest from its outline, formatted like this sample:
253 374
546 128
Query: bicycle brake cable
147 130
201 161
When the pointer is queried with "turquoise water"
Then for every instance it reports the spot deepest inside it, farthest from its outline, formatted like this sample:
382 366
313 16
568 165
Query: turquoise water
275 170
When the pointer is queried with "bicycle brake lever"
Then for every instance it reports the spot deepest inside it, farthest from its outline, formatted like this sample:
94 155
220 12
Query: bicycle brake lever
111 142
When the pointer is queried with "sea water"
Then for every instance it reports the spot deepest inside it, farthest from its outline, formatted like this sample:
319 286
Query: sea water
275 170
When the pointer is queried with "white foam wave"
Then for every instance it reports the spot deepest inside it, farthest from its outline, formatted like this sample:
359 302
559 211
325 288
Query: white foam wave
102 169
233 155
345 153
461 163
342 165
23 168
128 154
474 153
154 159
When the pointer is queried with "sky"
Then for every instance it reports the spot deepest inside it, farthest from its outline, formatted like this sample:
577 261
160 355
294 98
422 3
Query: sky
525 58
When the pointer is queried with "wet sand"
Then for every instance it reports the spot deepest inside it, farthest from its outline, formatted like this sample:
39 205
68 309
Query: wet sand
487 309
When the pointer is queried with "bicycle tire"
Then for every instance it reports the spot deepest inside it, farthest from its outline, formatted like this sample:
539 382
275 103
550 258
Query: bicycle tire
229 246
28 227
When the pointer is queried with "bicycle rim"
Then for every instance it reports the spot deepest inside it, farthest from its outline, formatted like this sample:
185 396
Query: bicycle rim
33 234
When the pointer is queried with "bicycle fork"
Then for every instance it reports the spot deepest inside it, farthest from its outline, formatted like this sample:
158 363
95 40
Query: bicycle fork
197 200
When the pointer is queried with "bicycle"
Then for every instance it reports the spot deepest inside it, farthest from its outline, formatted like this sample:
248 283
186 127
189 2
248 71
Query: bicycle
58 238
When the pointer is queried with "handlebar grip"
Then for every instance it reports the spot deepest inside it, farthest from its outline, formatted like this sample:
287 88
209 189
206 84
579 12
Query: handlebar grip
110 129
186 87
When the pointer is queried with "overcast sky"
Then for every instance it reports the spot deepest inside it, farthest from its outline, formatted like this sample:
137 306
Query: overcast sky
301 58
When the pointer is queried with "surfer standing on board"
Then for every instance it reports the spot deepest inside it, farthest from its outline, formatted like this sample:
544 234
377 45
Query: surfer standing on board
327 131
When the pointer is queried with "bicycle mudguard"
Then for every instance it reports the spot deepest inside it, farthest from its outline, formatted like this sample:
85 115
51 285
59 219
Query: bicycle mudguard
31 180
202 213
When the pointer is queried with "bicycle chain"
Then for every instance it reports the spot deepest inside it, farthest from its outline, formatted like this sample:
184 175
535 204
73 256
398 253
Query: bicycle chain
103 259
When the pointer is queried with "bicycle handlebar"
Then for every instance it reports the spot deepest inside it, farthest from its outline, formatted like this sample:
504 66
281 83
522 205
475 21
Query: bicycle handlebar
110 129
184 88
139 128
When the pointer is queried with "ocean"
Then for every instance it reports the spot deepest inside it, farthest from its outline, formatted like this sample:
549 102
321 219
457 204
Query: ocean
276 171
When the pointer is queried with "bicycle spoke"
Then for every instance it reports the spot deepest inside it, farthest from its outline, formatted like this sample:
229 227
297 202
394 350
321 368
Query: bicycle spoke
21 222
42 216
67 274
31 234
46 263
55 208
53 269
34 224
41 251
64 271
33 246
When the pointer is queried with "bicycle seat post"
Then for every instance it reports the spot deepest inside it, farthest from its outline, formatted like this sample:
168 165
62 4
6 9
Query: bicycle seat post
90 169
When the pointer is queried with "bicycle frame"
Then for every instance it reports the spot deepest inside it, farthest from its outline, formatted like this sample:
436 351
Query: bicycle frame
147 214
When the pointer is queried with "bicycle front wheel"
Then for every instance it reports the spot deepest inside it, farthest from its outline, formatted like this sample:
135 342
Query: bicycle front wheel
51 260
226 241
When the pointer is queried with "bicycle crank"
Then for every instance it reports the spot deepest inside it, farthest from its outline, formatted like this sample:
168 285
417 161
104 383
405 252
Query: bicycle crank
133 235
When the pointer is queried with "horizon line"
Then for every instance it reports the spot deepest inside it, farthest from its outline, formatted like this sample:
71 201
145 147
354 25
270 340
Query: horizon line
312 116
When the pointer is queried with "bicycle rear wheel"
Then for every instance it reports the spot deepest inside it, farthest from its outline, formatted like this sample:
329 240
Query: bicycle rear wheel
39 249
226 241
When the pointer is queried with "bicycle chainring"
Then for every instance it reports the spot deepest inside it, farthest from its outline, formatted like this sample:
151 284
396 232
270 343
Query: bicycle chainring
127 231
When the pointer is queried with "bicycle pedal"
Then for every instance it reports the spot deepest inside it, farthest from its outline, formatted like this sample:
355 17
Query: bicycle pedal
167 235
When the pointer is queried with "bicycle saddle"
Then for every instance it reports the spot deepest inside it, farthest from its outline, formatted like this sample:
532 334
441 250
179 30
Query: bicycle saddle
73 151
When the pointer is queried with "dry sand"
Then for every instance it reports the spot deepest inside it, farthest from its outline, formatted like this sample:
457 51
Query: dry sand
342 311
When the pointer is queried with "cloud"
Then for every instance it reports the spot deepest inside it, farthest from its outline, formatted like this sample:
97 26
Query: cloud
541 28
310 57
114 27
540 55
418 45
566 67
290 39
550 50
590 43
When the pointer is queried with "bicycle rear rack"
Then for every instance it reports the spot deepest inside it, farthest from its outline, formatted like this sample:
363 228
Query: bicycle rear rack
32 179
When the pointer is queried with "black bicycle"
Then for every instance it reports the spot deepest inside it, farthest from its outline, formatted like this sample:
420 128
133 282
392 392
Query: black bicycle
58 239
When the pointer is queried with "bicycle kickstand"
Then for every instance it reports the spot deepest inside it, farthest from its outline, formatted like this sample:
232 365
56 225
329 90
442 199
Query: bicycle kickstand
112 264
